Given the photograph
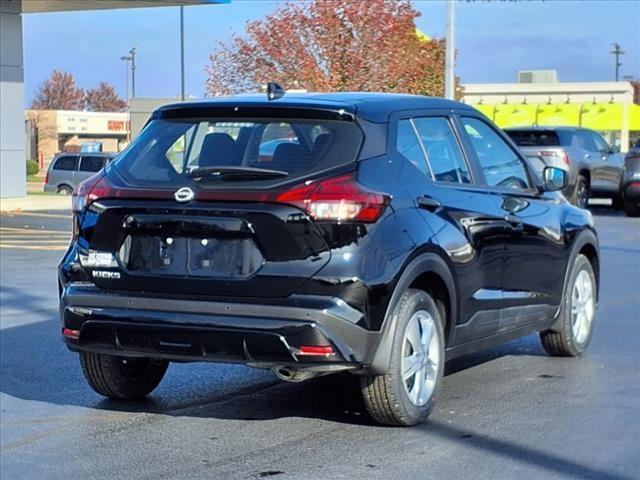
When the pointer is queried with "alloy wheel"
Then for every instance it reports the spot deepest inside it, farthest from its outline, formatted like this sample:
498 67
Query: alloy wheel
583 196
582 306
420 357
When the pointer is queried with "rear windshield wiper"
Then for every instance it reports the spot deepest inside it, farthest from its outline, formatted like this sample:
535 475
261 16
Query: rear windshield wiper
236 173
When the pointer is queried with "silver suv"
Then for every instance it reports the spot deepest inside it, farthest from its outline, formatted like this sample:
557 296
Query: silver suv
594 168
69 169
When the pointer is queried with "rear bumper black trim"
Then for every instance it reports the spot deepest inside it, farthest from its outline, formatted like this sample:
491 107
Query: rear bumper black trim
193 330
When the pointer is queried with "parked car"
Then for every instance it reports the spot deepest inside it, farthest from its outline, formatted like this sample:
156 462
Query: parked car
631 181
594 168
67 170
398 232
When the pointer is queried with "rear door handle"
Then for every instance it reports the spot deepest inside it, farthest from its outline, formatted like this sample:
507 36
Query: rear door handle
429 203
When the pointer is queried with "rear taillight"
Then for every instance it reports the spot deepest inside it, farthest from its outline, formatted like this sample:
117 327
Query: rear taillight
89 191
46 177
552 153
339 199
547 153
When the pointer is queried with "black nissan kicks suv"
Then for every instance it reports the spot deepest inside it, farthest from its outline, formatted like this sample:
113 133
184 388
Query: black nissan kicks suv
377 234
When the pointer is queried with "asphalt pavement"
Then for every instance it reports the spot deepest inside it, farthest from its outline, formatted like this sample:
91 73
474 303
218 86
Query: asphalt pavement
510 412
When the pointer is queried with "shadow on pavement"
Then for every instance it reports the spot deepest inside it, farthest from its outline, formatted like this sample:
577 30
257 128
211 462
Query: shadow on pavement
14 298
35 365
522 454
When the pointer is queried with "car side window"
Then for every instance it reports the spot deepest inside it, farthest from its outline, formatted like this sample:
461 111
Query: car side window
408 145
501 166
66 163
601 145
586 141
444 154
91 164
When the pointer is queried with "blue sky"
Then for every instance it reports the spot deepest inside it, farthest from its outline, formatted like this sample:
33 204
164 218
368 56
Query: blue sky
494 40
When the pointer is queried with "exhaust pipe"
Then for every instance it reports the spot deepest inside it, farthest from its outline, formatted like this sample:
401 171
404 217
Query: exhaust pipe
292 375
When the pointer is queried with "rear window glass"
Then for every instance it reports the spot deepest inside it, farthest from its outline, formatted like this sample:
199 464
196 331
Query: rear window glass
538 138
168 150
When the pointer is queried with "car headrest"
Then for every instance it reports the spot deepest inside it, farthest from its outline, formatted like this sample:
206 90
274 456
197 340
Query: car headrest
290 157
320 144
218 149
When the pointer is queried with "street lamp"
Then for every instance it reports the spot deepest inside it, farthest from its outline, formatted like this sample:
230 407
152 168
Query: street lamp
126 59
131 58
182 52
450 53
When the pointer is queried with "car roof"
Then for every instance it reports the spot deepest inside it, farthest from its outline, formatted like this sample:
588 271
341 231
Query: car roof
93 154
374 107
538 128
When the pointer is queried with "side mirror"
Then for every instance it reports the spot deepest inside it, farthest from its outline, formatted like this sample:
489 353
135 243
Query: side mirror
554 179
614 149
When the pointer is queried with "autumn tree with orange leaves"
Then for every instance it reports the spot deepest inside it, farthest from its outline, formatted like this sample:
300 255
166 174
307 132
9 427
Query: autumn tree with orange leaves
104 98
331 45
60 92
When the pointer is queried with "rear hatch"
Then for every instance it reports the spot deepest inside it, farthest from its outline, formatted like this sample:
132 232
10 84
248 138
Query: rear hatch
192 207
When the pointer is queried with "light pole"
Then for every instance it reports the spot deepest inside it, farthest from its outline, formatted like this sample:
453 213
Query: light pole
126 59
182 52
132 52
617 51
450 53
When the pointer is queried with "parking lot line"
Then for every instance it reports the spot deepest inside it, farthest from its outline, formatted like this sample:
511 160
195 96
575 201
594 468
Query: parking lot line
44 215
30 231
34 247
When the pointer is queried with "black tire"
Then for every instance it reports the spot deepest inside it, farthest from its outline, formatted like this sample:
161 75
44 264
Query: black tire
122 378
565 342
617 202
581 192
64 190
632 207
387 397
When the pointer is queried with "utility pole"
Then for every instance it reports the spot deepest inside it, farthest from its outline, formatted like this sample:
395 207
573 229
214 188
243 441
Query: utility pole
133 71
182 52
617 51
450 54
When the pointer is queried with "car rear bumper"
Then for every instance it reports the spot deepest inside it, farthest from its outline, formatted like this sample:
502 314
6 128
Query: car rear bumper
48 188
194 330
